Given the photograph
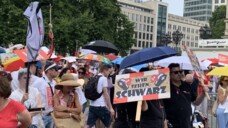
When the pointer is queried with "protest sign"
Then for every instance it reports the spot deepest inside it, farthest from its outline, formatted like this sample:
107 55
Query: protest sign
140 86
194 61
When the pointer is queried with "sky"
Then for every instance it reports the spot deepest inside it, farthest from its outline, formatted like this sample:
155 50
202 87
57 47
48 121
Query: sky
175 6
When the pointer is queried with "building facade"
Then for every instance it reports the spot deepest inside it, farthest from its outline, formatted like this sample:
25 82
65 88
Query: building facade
217 3
198 9
188 27
150 19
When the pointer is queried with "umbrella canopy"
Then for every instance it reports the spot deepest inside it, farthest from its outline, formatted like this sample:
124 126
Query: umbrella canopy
219 71
22 53
212 61
101 46
2 50
182 60
70 59
87 51
11 62
94 57
118 60
111 56
147 55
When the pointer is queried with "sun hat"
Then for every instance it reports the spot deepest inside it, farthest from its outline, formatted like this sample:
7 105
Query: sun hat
69 80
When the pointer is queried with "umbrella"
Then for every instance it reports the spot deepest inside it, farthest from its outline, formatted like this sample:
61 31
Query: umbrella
111 56
94 57
11 62
22 53
212 61
87 51
219 71
118 60
147 55
101 46
70 59
2 50
182 60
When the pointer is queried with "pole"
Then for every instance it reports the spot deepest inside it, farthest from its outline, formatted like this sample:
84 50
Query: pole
27 80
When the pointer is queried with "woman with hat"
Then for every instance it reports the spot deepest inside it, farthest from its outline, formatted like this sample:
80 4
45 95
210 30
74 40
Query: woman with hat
67 108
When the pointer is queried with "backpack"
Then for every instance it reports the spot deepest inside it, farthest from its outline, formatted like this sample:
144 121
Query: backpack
91 88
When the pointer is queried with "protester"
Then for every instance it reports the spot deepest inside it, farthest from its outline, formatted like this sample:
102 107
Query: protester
32 69
178 106
101 108
222 111
126 112
45 85
32 99
155 108
66 101
12 113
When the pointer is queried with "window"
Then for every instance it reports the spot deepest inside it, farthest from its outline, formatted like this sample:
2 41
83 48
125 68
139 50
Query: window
184 29
148 28
222 1
139 44
151 20
140 35
188 30
136 35
144 19
192 44
169 26
216 1
143 44
179 28
151 44
136 17
140 18
144 36
147 44
135 44
147 36
140 27
144 27
174 27
148 20
192 31
151 37
151 28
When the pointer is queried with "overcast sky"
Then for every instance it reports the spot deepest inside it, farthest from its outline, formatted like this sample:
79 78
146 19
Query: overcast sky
175 6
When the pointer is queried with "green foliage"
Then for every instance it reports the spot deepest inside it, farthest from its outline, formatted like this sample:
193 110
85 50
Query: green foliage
75 23
217 23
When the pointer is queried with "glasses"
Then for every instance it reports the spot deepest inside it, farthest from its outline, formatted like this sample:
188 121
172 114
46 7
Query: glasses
176 72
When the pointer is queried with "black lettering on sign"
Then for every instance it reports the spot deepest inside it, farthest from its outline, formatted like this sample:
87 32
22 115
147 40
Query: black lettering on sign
118 94
149 91
156 90
140 92
131 93
137 80
163 89
124 94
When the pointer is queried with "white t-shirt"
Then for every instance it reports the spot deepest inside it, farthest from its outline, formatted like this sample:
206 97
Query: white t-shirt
30 103
102 83
46 94
81 95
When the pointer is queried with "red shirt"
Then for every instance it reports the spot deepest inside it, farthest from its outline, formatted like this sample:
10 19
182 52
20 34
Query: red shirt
8 115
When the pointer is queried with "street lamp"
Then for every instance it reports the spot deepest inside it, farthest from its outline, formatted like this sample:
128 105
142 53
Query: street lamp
166 38
177 36
205 32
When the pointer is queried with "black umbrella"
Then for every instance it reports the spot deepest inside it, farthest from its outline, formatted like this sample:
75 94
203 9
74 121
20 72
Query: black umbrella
101 46
2 50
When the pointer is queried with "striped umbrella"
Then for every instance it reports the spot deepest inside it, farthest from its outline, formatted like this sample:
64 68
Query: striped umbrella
11 62
94 57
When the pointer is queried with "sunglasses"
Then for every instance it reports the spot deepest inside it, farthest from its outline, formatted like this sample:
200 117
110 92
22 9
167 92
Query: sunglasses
176 72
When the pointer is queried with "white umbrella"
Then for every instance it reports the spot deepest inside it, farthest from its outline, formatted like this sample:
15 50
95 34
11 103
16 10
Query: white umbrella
87 51
70 59
182 60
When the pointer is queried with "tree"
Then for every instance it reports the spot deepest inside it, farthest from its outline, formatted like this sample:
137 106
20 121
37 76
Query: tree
75 23
217 23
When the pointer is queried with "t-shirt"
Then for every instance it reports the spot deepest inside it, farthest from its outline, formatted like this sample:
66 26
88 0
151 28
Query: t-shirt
102 83
42 84
8 115
155 108
178 107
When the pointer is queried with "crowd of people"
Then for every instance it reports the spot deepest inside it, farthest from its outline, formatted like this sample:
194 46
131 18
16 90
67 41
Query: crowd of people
56 89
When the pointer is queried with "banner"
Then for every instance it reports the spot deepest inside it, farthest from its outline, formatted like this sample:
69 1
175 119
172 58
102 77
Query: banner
194 61
222 59
140 86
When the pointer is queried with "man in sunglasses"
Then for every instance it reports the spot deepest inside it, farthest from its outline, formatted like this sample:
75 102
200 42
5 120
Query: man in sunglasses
45 85
178 107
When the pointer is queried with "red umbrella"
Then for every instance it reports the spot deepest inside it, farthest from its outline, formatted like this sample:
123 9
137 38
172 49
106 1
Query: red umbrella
213 61
111 56
22 53
11 62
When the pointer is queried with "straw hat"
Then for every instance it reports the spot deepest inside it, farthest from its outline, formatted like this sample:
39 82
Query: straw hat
69 80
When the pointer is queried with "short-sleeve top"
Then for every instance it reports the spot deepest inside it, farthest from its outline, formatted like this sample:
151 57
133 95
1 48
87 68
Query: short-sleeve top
8 115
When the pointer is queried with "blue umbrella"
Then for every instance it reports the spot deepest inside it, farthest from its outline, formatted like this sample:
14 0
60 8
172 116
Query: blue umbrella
118 60
2 50
147 55
137 67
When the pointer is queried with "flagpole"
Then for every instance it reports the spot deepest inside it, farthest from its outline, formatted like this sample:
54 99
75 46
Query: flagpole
28 77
